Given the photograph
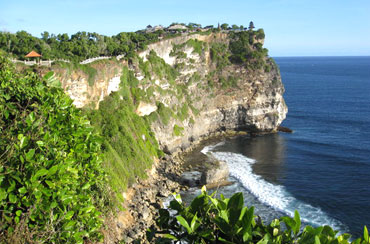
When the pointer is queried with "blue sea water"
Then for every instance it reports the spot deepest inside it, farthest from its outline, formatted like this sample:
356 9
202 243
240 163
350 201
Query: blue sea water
323 168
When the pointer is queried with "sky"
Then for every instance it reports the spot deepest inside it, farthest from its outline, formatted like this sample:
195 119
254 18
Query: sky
292 27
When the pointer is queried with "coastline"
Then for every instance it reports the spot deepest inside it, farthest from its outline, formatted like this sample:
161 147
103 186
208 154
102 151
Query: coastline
146 197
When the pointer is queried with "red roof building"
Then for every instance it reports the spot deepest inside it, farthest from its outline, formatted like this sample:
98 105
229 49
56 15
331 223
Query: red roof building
33 54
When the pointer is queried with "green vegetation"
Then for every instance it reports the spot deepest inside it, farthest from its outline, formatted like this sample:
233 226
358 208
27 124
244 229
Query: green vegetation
79 46
129 145
165 113
224 26
220 55
251 26
177 130
52 182
203 33
56 173
246 50
198 46
231 81
178 51
157 66
90 71
226 220
182 113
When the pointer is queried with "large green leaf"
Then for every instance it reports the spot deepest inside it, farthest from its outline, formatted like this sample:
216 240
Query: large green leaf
236 201
297 220
184 223
40 173
366 234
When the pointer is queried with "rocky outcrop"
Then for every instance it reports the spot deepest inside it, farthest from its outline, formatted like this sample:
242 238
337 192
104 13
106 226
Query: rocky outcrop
191 178
216 174
254 103
89 86
213 175
142 202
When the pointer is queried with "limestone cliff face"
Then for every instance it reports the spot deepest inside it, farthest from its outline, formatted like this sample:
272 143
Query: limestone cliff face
85 88
202 98
255 103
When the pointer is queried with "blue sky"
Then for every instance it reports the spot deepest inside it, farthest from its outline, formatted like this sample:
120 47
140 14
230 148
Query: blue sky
292 27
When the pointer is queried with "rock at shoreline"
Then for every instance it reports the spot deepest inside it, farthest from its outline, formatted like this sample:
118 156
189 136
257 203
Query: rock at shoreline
191 179
285 129
213 174
216 174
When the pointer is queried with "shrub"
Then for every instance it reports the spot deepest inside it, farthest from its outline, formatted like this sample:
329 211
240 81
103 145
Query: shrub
50 173
177 130
165 113
221 220
182 113
196 45
160 68
220 55
90 71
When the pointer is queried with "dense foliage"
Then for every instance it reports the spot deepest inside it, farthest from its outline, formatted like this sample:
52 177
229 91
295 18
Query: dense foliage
129 145
50 171
83 45
221 220
246 48
76 47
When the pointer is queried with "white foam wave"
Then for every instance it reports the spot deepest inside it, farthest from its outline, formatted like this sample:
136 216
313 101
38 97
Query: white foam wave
275 196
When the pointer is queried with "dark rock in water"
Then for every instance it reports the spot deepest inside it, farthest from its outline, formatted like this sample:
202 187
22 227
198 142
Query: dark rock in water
216 174
191 179
285 129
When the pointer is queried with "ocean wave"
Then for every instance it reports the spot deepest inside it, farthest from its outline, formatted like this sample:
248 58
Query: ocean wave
275 196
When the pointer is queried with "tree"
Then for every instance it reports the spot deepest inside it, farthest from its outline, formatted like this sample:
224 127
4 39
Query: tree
224 26
251 25
235 27
192 26
45 36
260 34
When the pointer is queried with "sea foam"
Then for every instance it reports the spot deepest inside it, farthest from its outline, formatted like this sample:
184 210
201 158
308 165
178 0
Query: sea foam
275 196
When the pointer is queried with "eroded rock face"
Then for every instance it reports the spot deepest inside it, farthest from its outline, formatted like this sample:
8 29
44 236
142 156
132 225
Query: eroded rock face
216 174
145 108
85 89
254 103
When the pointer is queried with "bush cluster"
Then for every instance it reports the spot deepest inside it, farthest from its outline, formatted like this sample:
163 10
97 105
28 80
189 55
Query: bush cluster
51 179
245 50
226 220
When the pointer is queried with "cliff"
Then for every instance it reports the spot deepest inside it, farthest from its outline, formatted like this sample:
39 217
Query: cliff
219 98
189 88
167 97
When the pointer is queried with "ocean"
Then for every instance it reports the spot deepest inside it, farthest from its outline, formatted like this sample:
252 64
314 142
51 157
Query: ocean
323 168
